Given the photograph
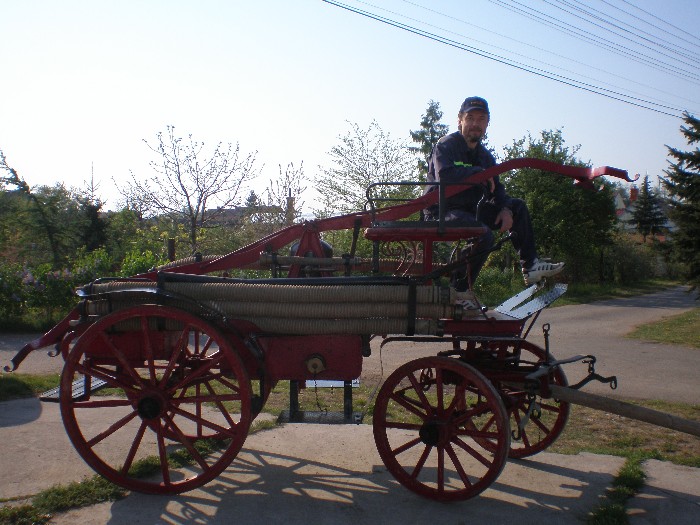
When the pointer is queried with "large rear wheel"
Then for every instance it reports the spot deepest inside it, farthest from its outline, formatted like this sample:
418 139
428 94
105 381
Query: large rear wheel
177 407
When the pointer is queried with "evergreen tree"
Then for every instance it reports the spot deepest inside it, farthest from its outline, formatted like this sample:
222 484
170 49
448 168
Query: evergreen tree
648 217
683 187
427 136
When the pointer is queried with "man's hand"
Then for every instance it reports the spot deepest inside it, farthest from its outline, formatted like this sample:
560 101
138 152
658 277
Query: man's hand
504 219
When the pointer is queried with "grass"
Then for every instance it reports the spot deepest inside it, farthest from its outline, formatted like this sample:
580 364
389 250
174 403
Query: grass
97 489
679 329
597 432
628 482
15 386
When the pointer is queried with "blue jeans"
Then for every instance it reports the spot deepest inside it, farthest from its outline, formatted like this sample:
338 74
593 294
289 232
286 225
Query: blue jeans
523 239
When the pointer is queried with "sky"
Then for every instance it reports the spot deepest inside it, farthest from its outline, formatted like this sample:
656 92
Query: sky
84 83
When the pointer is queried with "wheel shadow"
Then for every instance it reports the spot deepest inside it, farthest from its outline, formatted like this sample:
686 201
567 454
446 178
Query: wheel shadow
268 487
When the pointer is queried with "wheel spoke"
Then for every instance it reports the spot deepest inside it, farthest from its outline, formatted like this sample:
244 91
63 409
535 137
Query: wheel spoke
440 392
225 381
162 454
148 349
441 470
419 390
120 357
112 429
184 440
218 400
421 461
102 403
133 449
232 432
410 404
402 426
216 359
406 446
177 351
111 377
458 466
474 453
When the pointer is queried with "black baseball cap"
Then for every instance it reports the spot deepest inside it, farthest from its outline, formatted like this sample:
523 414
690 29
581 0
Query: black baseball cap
471 103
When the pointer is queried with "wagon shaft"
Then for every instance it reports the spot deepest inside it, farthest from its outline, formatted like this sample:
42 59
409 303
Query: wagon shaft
621 408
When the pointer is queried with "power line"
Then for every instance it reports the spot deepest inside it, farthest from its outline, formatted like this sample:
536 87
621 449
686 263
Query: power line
520 42
560 25
644 104
606 20
657 18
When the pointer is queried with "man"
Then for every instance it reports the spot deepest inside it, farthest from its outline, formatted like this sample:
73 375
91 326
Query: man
457 157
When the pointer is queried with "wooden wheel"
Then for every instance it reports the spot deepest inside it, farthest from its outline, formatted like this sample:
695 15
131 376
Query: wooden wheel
431 419
548 417
178 403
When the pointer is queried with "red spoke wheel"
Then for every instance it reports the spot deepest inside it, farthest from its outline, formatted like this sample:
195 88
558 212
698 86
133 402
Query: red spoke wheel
548 417
431 420
177 407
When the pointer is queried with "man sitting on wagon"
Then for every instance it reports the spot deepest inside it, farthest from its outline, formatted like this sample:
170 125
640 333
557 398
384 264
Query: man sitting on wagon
457 157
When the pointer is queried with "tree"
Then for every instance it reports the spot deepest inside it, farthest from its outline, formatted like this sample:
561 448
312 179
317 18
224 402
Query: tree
190 185
569 223
683 188
41 211
431 130
364 157
647 216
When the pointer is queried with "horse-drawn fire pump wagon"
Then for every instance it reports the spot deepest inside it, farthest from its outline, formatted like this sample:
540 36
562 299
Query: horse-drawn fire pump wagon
180 360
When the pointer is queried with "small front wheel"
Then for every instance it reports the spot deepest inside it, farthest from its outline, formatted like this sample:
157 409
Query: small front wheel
441 428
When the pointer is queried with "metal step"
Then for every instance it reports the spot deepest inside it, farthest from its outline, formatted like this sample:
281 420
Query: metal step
78 387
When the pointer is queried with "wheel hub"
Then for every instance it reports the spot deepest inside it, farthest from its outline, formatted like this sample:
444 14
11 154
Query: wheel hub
150 407
432 433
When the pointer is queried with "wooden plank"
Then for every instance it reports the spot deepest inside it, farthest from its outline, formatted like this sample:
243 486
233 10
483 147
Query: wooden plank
654 417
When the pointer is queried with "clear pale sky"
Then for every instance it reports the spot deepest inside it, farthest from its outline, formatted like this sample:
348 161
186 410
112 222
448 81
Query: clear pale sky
82 83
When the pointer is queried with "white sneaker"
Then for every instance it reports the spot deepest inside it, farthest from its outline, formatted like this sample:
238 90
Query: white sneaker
467 300
539 270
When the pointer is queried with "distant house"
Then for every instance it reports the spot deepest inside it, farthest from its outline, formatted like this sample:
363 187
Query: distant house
624 207
624 210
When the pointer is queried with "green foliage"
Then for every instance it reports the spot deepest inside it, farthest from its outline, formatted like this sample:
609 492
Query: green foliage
139 262
570 224
625 261
11 297
89 265
683 186
495 285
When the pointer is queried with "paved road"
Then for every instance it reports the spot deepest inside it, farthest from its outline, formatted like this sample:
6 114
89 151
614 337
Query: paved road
298 474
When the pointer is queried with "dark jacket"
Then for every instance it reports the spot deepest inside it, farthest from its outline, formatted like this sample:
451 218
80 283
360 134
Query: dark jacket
452 161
